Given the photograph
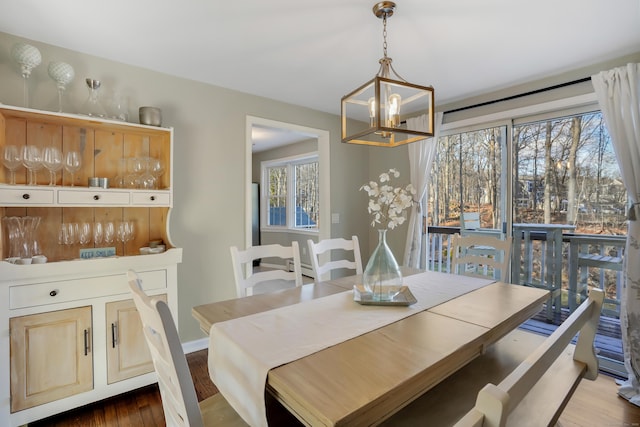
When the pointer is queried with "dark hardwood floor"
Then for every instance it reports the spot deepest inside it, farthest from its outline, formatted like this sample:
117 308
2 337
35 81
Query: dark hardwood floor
595 404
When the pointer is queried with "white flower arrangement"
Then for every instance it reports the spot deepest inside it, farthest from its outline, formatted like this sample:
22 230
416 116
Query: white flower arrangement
387 204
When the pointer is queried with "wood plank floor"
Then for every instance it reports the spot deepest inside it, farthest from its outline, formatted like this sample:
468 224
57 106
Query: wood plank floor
594 404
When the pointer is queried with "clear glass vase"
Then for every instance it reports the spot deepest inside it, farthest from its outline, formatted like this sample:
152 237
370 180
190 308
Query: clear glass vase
382 276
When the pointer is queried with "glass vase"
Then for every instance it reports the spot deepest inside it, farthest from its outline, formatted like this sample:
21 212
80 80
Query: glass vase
382 276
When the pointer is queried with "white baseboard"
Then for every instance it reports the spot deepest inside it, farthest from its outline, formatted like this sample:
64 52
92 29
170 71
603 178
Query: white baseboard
197 345
306 269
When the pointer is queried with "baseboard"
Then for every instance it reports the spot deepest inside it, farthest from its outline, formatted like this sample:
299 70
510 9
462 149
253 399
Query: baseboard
197 345
305 269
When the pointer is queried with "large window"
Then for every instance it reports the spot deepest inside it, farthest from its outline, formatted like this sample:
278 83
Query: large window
466 177
566 173
291 193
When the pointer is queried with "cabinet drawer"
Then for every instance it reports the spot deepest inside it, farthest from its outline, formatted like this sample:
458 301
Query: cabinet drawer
26 196
151 198
93 197
81 289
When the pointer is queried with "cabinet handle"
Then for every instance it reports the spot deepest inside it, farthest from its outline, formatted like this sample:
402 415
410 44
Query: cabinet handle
96 197
152 198
26 196
114 335
53 293
86 342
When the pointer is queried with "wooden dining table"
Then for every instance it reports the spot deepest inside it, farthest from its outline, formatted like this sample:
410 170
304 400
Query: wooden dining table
366 379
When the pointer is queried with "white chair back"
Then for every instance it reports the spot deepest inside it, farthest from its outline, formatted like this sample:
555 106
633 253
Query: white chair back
178 394
470 220
481 256
243 261
322 272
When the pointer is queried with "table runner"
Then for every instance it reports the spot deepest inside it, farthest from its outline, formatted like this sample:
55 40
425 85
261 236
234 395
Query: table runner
243 350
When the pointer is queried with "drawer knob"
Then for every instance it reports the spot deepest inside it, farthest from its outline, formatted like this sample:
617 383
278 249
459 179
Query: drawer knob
152 198
53 293
26 196
96 197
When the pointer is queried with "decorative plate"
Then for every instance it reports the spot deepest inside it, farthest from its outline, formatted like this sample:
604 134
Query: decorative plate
402 298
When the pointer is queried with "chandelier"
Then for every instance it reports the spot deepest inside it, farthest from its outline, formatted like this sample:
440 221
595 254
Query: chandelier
376 112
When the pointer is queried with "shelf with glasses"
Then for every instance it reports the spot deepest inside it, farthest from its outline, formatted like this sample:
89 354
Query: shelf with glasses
135 159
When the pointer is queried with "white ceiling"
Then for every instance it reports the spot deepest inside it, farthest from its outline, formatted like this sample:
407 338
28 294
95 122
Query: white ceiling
312 53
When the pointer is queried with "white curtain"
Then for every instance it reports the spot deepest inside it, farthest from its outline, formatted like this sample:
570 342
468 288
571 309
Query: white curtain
618 93
421 156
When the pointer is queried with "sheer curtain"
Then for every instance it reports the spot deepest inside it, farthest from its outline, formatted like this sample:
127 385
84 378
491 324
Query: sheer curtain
421 156
618 93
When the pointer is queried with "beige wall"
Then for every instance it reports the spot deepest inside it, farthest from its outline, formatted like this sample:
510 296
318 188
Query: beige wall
209 124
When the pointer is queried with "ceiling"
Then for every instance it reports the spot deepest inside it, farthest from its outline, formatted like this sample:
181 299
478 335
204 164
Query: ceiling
312 53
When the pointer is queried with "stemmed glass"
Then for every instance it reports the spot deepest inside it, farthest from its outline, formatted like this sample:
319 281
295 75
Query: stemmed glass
156 168
98 233
32 160
84 234
72 164
146 178
11 159
52 161
68 234
109 232
63 74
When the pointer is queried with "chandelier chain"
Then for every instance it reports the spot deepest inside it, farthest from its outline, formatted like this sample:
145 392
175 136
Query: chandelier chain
384 34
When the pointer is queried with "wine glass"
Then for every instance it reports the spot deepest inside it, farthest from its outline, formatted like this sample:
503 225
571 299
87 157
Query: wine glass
109 232
11 159
52 161
28 57
32 160
135 167
157 169
72 164
145 179
84 233
63 74
98 233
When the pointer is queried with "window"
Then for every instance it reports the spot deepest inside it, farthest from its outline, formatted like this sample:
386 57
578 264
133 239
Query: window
292 193
566 172
467 177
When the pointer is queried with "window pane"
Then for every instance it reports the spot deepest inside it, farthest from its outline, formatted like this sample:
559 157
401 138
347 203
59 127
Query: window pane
566 173
466 176
277 196
307 195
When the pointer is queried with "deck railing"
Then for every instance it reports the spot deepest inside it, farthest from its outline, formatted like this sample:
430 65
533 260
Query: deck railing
585 260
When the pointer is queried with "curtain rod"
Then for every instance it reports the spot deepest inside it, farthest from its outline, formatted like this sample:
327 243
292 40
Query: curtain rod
508 98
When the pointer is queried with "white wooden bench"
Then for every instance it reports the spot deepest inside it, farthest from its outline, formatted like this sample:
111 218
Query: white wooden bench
536 376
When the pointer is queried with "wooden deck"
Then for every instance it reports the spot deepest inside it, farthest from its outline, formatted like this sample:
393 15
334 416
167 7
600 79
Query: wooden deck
608 341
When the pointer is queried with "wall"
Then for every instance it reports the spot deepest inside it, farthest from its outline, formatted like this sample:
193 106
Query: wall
209 124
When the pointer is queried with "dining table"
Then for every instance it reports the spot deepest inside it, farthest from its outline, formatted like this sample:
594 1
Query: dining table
331 361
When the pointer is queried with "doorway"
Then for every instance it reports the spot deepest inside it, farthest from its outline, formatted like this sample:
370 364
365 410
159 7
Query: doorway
287 132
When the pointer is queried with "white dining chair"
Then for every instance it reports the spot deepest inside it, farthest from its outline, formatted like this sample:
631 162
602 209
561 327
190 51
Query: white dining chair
247 279
322 272
179 400
481 256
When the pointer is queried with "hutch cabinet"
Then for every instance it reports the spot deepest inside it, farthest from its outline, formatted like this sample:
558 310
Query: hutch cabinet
70 335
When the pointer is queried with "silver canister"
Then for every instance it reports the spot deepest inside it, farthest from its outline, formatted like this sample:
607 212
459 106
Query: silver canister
98 182
151 116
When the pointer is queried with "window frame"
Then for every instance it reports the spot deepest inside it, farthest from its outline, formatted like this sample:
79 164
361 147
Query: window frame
290 200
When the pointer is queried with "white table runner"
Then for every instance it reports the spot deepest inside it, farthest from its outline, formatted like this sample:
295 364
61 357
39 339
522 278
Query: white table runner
243 350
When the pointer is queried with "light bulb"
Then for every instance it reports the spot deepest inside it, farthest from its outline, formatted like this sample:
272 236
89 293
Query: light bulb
372 111
394 109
